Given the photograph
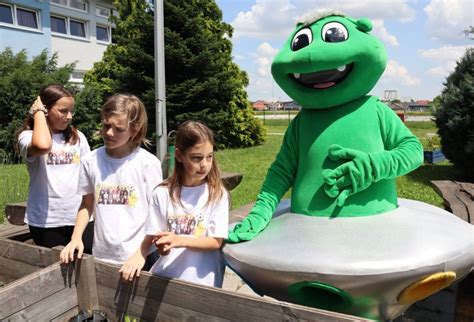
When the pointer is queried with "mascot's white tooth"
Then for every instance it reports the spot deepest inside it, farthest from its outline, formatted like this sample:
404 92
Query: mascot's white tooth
297 75
341 68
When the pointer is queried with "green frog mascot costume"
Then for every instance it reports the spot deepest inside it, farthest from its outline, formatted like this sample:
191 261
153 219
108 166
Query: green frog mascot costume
344 242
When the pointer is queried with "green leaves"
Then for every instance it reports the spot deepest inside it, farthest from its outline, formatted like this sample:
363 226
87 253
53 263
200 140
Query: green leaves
20 82
201 80
455 115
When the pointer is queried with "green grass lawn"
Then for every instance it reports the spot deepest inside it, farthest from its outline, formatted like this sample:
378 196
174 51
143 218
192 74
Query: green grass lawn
254 162
14 182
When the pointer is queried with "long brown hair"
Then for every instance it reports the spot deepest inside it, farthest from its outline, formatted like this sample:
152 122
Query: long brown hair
131 107
189 134
49 95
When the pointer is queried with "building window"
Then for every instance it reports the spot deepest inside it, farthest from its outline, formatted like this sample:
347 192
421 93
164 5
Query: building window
61 2
17 16
103 33
78 28
6 15
58 24
67 26
27 18
75 4
102 11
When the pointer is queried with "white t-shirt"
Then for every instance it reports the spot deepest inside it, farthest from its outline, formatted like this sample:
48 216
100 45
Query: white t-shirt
122 189
203 267
53 200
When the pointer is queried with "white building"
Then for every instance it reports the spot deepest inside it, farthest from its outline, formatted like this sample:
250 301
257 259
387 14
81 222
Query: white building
77 30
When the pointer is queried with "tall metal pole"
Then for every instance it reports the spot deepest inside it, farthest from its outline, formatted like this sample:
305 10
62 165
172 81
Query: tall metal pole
160 93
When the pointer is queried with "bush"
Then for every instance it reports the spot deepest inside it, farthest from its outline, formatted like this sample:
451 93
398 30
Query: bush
455 116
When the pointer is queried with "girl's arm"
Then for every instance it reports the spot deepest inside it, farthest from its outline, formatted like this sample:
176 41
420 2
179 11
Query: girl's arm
41 142
83 215
167 240
133 266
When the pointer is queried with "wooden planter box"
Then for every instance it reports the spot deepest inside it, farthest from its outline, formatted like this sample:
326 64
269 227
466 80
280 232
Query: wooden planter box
40 289
33 285
433 156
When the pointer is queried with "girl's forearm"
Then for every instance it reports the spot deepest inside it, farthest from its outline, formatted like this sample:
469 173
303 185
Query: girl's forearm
41 141
145 245
202 243
83 216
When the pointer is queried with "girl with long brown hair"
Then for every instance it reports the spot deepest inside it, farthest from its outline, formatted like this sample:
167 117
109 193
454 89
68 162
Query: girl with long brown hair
188 216
52 149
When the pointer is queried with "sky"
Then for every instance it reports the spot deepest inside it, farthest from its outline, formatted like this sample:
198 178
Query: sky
424 39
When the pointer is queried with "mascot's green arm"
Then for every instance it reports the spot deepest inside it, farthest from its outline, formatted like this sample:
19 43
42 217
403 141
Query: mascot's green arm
403 151
279 179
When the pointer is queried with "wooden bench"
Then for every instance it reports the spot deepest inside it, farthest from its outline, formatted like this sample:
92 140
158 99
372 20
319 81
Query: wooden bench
458 198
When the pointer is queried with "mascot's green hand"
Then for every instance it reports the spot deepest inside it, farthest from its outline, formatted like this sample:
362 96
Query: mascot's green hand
248 228
349 178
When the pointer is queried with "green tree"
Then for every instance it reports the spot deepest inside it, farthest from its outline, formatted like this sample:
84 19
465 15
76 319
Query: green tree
455 115
202 82
20 82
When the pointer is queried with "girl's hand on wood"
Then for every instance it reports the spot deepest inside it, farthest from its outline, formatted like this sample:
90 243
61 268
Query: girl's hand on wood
67 254
132 267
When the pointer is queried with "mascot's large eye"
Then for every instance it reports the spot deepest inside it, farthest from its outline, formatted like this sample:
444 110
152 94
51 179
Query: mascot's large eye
334 32
302 39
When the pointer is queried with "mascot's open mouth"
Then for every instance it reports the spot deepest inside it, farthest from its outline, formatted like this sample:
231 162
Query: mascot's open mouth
323 79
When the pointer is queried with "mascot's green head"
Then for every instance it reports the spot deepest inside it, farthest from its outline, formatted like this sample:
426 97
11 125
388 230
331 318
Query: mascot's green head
329 60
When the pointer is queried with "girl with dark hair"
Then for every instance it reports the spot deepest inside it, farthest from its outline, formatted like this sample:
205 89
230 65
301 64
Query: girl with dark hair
193 198
52 149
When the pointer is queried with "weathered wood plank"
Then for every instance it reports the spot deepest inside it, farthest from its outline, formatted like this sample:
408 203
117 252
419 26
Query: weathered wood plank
12 269
66 316
49 308
32 288
21 233
449 191
15 213
231 180
207 300
32 255
117 306
468 188
87 296
466 195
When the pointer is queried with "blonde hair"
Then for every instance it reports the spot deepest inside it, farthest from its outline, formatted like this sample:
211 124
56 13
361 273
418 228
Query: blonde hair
134 110
189 134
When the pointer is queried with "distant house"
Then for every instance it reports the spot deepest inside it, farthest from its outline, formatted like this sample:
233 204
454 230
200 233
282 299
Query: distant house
77 30
419 106
259 105
398 107
275 105
291 105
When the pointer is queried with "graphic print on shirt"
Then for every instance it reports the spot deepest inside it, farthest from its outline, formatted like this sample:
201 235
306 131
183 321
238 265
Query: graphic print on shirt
65 155
109 194
187 224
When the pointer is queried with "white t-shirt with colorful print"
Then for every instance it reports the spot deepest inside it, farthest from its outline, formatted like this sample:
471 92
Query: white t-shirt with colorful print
193 219
122 190
53 200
